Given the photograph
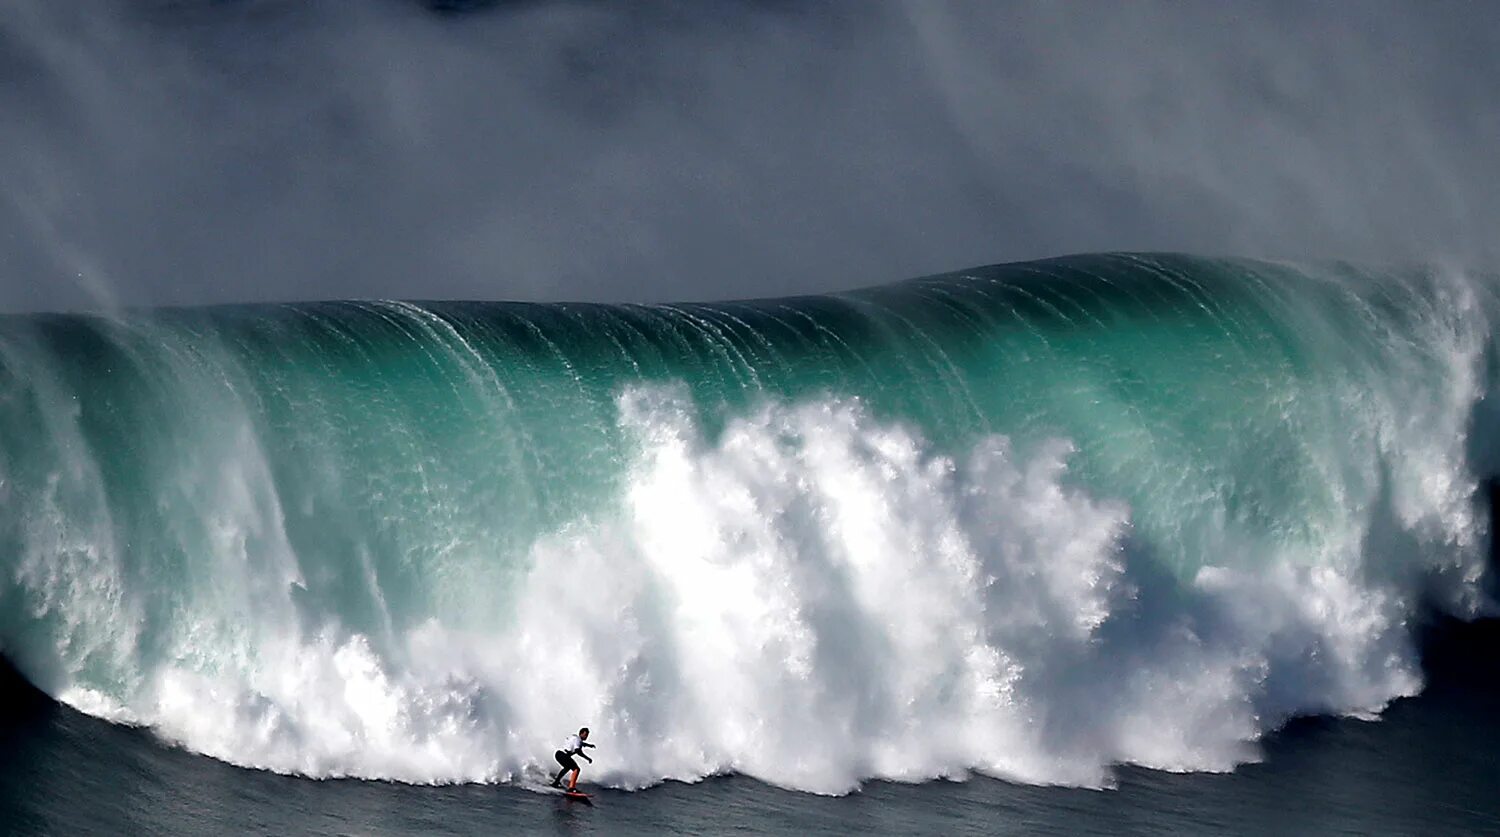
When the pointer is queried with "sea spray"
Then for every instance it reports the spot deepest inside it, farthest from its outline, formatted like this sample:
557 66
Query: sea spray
1032 520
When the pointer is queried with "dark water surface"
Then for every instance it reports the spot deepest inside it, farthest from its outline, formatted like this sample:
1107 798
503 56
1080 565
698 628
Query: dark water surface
1430 766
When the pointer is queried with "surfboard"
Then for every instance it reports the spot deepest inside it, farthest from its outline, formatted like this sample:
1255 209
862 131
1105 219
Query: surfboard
546 787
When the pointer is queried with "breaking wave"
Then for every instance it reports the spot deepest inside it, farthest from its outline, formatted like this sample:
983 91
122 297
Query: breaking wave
1032 520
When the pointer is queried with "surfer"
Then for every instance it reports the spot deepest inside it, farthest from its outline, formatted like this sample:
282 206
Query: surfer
572 747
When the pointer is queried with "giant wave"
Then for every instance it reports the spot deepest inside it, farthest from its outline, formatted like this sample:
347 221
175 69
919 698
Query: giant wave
1032 520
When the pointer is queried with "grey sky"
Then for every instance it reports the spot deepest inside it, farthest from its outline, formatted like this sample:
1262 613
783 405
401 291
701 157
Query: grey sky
186 151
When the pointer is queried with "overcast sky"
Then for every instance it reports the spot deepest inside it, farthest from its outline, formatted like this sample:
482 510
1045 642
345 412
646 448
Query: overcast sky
187 151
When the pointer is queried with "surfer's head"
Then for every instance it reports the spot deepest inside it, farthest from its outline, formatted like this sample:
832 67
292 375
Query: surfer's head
583 732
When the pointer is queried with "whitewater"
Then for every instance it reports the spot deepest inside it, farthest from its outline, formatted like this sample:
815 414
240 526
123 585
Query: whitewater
1033 521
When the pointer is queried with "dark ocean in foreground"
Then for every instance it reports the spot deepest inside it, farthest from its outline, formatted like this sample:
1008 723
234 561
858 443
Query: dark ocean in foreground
1430 766
1110 542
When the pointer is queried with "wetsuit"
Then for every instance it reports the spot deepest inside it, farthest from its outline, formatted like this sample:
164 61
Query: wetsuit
572 747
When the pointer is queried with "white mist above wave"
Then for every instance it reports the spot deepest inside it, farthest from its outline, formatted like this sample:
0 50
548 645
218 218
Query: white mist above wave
811 596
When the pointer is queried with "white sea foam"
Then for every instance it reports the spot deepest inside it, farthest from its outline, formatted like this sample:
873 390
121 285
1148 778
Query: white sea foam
811 596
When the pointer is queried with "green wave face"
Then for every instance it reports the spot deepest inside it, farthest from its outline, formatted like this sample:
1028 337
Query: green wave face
386 539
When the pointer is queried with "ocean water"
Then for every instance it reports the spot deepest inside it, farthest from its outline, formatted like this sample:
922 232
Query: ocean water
1111 543
1427 767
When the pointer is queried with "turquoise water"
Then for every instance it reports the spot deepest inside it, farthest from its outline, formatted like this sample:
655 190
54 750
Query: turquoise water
1030 521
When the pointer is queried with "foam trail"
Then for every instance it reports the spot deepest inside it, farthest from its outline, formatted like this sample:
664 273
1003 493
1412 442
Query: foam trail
1035 522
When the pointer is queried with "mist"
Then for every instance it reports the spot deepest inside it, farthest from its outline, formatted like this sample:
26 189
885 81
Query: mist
169 153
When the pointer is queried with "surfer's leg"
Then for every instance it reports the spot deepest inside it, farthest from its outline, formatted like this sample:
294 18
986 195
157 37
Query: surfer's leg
573 785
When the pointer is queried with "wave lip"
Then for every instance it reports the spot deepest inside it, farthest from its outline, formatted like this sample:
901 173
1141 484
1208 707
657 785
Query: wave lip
1035 520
